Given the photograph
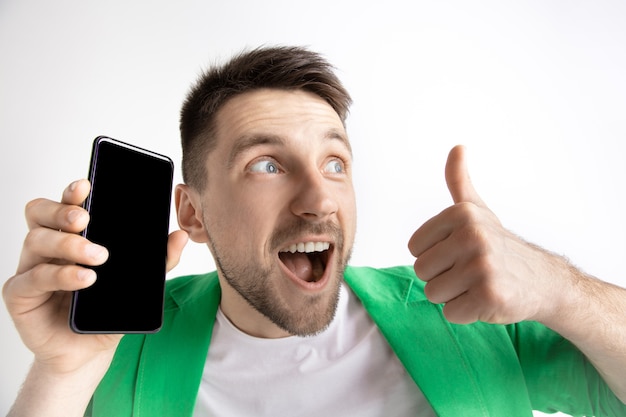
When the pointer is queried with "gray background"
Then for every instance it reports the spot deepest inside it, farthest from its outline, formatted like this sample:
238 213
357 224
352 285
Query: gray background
535 89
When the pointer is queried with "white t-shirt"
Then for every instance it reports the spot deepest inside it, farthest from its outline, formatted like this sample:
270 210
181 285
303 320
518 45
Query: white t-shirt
347 370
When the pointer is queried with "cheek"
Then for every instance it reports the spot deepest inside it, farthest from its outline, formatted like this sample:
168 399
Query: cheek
239 223
349 216
225 206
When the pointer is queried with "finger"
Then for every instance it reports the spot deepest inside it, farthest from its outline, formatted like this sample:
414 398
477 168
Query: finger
462 190
76 192
448 285
458 179
45 279
429 234
43 245
461 310
175 245
435 230
66 215
50 214
435 261
486 304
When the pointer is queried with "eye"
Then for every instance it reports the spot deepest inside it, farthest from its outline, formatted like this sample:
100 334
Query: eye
335 166
264 166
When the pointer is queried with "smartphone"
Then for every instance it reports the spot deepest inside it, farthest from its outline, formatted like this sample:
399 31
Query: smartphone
129 206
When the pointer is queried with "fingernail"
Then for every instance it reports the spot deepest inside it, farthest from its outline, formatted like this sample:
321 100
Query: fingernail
86 275
73 185
96 251
74 215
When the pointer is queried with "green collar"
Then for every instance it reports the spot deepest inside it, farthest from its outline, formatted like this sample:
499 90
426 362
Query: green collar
462 370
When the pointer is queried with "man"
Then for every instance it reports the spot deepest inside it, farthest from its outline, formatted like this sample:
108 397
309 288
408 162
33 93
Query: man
284 326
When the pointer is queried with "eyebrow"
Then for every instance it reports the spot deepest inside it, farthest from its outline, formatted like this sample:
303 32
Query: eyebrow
340 136
246 142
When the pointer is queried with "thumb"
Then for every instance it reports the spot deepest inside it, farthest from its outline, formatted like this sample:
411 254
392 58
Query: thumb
458 179
175 245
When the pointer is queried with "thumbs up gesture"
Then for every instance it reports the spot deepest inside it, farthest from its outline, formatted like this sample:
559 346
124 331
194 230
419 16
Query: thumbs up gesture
480 270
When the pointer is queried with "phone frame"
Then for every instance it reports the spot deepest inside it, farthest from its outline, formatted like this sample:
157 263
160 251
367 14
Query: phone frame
75 309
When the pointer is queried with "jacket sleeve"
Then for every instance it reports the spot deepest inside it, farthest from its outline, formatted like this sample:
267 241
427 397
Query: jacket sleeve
559 377
115 393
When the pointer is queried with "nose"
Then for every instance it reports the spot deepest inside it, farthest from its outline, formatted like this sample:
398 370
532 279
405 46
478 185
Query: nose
315 198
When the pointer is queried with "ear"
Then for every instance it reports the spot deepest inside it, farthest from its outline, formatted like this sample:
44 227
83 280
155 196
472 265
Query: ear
189 212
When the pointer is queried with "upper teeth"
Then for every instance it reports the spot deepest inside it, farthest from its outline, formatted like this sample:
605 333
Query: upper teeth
307 247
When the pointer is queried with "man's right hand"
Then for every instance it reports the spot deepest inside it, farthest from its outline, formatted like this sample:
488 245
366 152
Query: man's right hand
67 366
38 296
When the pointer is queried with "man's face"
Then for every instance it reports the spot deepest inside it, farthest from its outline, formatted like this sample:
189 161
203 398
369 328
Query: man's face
279 210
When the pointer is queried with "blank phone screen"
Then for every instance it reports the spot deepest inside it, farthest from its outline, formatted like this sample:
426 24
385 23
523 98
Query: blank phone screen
129 208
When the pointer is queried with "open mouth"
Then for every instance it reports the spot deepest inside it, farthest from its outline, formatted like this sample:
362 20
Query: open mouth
306 260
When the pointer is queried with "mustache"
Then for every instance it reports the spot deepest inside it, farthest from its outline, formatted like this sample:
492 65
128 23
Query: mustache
303 227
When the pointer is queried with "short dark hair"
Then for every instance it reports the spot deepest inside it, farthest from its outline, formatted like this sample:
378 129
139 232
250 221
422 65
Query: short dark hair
279 67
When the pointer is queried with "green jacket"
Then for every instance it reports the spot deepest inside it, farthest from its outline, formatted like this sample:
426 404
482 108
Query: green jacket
463 370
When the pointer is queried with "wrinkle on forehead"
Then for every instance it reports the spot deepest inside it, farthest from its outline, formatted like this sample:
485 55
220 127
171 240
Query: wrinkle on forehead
259 117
